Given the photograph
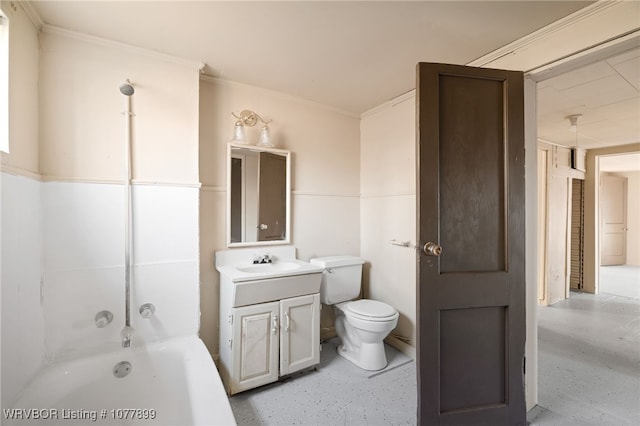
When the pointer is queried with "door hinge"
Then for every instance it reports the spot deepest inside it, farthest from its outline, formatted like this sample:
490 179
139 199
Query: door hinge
231 319
230 343
524 365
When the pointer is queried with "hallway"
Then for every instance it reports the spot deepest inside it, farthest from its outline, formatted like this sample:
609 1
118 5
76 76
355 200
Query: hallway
620 280
589 361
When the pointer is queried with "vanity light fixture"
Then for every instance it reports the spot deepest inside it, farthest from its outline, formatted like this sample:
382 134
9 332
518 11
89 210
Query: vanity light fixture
239 135
264 140
249 118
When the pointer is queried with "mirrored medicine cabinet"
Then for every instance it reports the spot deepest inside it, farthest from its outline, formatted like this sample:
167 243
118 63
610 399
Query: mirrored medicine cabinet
258 196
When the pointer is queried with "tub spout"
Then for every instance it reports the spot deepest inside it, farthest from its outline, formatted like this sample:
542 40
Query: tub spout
126 334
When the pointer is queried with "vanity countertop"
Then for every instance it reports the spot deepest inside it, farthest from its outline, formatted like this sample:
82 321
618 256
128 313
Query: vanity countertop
247 271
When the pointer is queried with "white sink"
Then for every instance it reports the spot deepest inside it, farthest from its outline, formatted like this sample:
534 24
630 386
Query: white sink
244 283
262 268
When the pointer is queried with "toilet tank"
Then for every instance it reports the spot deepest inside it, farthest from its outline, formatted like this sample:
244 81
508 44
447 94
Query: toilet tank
341 279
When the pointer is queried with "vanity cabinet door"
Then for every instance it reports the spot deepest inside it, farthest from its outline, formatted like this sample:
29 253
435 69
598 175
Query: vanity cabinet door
255 341
300 333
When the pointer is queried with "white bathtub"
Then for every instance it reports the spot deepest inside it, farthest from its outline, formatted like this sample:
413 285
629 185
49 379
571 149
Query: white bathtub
170 383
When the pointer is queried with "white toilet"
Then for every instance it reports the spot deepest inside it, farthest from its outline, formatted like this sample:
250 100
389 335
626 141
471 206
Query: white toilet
362 324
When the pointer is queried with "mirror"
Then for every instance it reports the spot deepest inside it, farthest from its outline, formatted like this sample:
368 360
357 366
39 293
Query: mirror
258 202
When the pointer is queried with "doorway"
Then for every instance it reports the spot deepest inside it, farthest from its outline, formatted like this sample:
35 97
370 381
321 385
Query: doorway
562 342
619 220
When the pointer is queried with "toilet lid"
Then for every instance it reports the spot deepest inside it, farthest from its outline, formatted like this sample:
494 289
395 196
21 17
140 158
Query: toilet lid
371 308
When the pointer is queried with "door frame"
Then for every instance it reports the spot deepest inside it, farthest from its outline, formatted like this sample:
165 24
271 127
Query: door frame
601 28
592 213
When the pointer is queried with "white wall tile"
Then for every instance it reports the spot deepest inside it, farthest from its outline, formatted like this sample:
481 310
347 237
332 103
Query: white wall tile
84 264
172 287
22 313
72 300
165 223
83 225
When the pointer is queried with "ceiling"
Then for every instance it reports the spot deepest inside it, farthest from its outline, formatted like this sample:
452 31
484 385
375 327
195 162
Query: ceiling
356 55
620 163
606 94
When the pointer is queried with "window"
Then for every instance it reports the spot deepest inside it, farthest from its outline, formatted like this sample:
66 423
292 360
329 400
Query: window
4 83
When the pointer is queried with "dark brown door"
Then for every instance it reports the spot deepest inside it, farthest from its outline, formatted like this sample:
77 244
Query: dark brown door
471 298
272 193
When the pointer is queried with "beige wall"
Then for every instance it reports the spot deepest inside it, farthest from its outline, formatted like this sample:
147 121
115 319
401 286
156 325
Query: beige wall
325 208
81 122
388 211
591 200
23 93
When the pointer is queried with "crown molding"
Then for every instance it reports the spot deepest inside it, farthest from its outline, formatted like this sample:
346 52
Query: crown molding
33 14
544 32
231 83
52 29
389 104
527 41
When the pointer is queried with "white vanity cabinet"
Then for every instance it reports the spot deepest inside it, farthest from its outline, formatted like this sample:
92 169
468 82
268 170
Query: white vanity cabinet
269 316
272 340
254 346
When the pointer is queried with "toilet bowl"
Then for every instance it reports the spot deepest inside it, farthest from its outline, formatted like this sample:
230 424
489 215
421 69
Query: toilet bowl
362 326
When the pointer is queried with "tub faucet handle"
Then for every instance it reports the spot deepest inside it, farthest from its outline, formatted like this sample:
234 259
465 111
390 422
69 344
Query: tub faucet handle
147 310
103 318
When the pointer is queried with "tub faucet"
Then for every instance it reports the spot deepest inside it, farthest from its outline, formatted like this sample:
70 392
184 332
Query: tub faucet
126 334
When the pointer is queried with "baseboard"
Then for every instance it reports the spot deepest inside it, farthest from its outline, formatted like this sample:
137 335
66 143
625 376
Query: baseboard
403 347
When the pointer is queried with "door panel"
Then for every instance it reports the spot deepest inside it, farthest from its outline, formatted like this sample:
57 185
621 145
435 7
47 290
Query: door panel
458 327
473 228
300 333
256 360
471 318
613 202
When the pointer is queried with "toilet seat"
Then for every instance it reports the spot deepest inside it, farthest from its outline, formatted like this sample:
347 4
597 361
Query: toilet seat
370 310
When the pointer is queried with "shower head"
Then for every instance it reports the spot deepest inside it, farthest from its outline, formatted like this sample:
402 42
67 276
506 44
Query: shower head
126 88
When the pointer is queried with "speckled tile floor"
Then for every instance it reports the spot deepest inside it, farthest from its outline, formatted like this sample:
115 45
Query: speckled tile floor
338 393
589 362
589 374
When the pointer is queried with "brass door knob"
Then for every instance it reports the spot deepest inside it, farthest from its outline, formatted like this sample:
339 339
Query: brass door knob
432 249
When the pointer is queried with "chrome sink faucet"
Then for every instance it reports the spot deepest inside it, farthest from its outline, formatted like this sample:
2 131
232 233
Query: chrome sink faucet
265 258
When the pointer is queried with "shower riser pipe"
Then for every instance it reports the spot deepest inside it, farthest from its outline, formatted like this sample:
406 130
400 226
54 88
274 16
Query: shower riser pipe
127 90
